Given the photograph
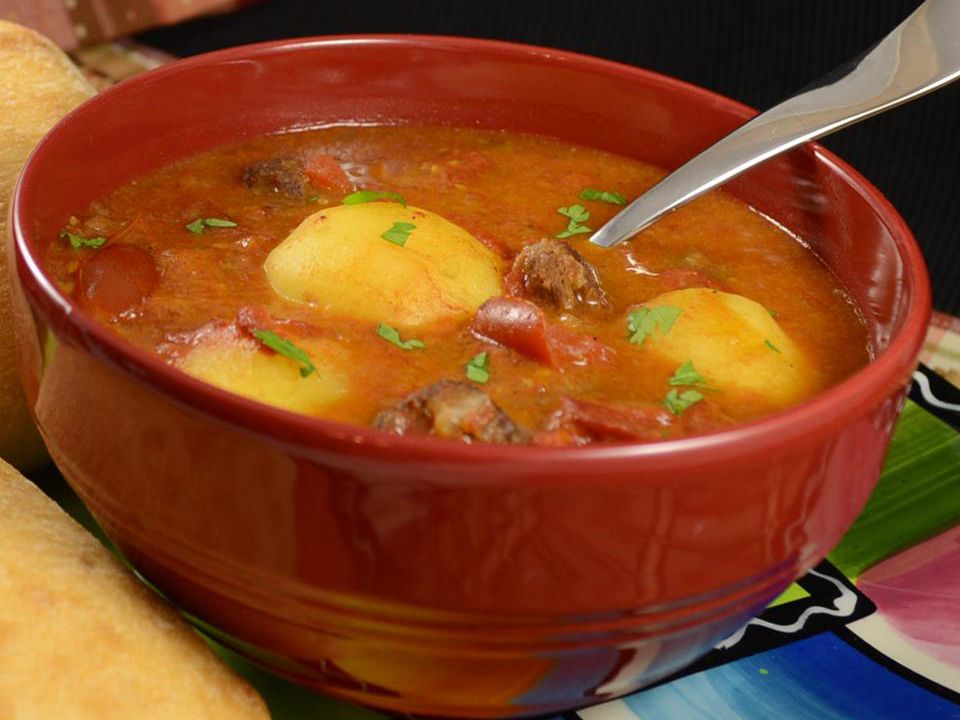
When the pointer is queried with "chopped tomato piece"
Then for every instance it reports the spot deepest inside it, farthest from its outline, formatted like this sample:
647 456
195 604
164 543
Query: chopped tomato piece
116 279
254 317
513 281
568 346
705 416
325 173
681 278
498 246
577 422
464 165
522 326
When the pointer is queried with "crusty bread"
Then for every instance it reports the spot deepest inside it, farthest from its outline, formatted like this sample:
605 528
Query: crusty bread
38 86
82 639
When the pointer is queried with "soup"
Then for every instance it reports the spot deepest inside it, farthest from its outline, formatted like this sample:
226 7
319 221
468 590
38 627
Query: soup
434 280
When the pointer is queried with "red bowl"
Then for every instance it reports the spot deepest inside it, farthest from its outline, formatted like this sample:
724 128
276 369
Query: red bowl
429 576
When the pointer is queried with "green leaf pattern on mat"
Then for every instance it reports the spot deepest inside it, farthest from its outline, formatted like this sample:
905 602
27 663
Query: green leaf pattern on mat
918 495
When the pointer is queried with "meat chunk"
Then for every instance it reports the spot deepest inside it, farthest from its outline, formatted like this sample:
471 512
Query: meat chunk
522 326
577 422
553 272
325 172
286 176
454 410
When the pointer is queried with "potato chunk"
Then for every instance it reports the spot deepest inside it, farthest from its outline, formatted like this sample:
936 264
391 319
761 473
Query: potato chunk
736 345
337 261
242 366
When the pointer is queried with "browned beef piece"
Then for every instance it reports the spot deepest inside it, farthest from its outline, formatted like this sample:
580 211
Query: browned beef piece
553 272
281 175
451 409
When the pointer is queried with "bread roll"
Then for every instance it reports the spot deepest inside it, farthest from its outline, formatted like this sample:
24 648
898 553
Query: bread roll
82 639
38 86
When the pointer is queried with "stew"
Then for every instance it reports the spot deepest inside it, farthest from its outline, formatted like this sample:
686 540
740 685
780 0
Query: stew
436 280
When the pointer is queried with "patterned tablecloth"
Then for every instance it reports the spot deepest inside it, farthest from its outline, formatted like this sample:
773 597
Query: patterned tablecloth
872 632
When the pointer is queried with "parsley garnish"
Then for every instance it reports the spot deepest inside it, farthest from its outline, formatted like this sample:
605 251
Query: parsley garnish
365 196
198 225
284 347
686 374
772 346
313 198
478 368
399 233
218 223
392 336
614 198
78 241
578 215
642 322
676 402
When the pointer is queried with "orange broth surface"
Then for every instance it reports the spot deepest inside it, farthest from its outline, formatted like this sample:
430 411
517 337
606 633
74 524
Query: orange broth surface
505 189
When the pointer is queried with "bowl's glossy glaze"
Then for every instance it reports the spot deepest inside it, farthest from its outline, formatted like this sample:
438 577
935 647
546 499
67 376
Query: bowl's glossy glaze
421 575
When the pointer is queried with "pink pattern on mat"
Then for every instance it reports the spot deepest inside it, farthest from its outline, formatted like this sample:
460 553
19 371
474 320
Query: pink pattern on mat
918 593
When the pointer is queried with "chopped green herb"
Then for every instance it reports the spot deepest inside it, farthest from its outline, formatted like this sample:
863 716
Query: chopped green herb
773 313
614 198
198 225
78 241
677 402
577 215
392 336
642 322
286 348
399 233
686 374
218 222
313 198
365 196
478 368
772 346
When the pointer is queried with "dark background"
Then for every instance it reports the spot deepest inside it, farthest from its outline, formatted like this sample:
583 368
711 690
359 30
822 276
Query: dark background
757 51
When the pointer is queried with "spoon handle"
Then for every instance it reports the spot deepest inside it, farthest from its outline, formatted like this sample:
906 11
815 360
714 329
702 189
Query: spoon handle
920 55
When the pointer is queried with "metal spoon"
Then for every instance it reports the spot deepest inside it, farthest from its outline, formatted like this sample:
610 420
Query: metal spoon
920 55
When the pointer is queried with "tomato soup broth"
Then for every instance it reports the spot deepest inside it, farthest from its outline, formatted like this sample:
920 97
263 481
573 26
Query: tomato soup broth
190 242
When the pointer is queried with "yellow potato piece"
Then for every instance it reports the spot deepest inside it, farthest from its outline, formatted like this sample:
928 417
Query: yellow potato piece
735 344
337 261
243 367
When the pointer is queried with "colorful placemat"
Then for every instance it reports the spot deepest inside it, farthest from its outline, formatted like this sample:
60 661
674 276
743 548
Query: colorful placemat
941 350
